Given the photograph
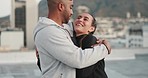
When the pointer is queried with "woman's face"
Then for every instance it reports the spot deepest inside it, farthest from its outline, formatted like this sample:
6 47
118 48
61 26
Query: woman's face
83 24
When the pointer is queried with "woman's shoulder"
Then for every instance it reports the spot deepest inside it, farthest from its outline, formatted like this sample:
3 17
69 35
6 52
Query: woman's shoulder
91 37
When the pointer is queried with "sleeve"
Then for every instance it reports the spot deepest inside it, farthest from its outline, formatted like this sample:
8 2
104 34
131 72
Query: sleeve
69 28
61 47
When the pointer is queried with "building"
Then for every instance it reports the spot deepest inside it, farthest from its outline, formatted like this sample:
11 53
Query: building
20 14
104 28
31 21
145 35
11 40
135 36
24 15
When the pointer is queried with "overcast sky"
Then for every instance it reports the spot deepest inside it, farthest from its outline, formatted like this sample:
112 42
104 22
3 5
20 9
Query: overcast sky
5 7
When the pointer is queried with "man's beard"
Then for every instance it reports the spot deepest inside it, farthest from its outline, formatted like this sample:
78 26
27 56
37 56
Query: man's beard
65 17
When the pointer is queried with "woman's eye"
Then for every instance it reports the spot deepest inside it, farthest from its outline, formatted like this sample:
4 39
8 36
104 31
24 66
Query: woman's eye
79 18
86 19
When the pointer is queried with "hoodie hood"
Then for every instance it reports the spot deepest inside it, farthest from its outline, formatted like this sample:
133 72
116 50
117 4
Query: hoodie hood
43 23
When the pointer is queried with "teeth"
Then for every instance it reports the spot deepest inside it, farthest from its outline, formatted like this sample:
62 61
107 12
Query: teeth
79 24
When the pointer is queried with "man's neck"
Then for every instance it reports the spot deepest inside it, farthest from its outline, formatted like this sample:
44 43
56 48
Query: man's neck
56 19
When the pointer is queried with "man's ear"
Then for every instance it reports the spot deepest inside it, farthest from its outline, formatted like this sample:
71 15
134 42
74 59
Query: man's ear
61 6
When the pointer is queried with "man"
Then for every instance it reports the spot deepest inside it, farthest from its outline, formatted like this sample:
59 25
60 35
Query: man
58 55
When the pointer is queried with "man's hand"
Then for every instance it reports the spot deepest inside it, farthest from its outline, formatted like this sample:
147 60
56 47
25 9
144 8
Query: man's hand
98 42
106 43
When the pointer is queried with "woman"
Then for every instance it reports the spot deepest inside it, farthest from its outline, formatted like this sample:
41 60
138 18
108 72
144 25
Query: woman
84 27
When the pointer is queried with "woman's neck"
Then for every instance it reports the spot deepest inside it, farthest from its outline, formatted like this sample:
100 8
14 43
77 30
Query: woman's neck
80 34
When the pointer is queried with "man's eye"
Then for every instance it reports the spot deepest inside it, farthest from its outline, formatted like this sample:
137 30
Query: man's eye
71 7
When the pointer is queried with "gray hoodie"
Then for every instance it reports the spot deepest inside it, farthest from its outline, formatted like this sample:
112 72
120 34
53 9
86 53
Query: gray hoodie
58 55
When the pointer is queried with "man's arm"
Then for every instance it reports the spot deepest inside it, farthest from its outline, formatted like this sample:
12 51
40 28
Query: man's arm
61 47
106 43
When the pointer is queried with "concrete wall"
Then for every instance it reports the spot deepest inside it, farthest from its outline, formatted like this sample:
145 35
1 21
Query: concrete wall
12 40
31 21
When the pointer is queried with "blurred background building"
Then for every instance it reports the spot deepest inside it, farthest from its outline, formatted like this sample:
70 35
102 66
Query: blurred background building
124 26
23 17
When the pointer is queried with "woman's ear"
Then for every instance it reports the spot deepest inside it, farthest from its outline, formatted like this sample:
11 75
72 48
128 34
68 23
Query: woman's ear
91 29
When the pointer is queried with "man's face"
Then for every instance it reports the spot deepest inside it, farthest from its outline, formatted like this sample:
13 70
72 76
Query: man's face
83 24
67 13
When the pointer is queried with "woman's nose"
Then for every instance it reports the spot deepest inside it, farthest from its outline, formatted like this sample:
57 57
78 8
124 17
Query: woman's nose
80 19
